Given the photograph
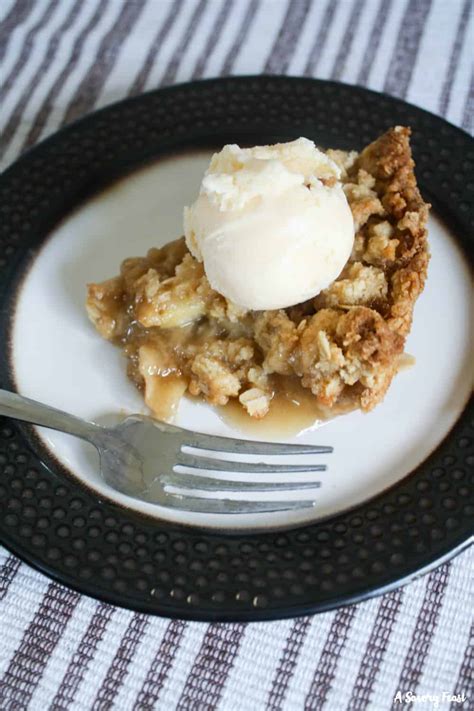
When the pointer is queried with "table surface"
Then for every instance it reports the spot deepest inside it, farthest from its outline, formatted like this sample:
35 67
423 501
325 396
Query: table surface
60 650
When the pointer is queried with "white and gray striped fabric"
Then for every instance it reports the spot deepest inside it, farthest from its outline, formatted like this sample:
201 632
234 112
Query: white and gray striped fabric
60 650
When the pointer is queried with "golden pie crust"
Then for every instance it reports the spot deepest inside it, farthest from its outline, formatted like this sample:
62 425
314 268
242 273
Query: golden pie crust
345 345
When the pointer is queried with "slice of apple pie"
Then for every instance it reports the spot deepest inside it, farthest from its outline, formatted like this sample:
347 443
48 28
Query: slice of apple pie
345 345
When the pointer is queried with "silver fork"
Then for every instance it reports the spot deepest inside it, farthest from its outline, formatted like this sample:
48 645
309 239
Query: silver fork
143 457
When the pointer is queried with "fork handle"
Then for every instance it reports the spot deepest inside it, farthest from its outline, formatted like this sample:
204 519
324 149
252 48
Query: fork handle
22 408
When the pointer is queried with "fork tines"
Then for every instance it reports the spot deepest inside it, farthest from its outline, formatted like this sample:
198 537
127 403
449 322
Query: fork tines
216 443
196 482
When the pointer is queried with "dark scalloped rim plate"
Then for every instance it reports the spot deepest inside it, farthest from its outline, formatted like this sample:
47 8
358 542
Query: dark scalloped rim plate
58 526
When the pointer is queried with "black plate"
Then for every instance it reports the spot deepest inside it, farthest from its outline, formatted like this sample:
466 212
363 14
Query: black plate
118 555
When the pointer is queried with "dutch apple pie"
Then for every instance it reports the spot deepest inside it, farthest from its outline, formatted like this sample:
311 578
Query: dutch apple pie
344 346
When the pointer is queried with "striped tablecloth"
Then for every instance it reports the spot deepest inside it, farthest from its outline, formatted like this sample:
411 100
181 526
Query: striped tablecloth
60 650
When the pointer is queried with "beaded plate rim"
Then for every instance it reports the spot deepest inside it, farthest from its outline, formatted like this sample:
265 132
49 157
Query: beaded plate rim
58 526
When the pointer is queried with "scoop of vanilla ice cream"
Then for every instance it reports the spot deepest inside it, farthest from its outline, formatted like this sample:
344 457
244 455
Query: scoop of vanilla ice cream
271 224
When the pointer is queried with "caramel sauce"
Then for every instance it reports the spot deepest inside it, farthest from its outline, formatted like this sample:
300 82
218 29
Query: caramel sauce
292 410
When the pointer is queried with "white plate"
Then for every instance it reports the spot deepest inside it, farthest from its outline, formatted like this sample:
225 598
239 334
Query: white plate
59 358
